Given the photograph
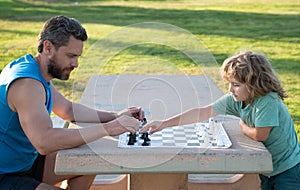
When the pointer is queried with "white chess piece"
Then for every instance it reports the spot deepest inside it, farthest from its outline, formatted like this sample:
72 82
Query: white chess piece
210 127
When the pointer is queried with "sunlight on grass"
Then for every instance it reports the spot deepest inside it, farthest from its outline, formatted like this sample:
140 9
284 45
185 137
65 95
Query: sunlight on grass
223 27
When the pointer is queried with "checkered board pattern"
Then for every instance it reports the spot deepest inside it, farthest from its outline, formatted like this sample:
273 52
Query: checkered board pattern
199 135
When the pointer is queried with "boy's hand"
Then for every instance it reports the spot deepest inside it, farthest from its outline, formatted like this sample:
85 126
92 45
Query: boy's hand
153 127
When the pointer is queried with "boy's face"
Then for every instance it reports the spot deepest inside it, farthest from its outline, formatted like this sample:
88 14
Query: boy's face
238 91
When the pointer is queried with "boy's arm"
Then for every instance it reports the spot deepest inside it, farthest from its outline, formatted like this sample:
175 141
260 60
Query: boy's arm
190 116
255 133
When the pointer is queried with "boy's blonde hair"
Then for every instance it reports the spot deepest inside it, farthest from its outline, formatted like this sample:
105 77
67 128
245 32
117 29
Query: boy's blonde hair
254 70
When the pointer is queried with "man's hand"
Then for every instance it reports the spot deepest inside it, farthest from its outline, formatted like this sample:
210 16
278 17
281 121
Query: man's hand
135 112
121 125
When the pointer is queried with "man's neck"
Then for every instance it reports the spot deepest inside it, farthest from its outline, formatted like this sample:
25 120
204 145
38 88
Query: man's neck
43 67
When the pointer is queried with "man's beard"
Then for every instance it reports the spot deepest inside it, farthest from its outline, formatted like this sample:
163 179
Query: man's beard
57 72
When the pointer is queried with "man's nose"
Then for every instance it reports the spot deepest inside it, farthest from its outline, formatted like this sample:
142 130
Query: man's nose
74 63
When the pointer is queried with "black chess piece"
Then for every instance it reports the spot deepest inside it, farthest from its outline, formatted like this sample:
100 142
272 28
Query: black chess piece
145 143
132 139
146 139
145 136
144 121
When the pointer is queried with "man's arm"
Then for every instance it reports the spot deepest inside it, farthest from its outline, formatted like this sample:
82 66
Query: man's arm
71 111
27 97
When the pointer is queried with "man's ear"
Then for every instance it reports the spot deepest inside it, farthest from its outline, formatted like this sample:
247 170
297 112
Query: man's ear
48 47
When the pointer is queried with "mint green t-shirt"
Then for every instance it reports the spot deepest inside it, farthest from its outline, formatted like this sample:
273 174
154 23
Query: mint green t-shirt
268 111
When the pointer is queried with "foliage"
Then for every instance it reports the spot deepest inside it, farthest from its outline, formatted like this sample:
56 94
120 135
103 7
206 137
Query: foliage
223 26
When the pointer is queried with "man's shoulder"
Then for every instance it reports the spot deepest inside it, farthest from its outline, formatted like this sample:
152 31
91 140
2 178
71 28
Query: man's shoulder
24 91
24 63
24 66
26 84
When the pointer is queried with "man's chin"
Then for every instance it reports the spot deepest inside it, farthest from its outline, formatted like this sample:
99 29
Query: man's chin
65 77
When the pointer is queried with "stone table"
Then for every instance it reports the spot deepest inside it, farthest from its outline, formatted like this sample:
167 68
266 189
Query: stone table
160 96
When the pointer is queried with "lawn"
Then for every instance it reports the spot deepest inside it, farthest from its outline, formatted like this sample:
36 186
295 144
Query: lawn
220 27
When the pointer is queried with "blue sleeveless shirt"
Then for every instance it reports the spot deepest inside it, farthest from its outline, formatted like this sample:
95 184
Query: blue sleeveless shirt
17 154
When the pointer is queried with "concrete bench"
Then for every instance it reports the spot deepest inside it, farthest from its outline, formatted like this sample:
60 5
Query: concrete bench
111 182
195 182
223 181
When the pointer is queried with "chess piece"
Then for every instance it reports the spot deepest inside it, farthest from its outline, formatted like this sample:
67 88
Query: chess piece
146 139
216 130
144 121
145 143
132 139
211 126
206 141
145 136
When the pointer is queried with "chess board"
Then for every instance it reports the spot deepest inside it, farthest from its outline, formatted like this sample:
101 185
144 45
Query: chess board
198 135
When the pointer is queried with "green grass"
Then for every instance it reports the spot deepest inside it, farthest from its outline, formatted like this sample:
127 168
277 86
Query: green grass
223 26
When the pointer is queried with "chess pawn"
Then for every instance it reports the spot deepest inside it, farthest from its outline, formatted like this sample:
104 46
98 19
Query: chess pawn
211 126
216 130
206 141
132 139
